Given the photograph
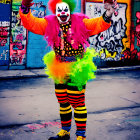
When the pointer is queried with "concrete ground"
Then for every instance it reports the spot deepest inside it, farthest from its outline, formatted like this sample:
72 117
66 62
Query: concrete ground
29 108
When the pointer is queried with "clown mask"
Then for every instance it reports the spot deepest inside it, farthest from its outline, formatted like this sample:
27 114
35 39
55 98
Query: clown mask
62 12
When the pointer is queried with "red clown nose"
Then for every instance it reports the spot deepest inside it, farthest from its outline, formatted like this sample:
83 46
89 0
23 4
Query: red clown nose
63 13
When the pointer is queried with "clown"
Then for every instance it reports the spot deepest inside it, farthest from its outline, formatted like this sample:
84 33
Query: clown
70 64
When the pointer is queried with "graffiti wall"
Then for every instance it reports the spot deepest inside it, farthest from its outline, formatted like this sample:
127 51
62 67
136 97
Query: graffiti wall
18 39
135 31
119 45
5 8
39 10
5 1
115 44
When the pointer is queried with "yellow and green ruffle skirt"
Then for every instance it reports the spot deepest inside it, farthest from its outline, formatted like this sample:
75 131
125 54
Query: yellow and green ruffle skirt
79 72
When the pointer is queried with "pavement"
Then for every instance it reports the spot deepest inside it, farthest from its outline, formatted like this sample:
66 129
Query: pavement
29 108
30 73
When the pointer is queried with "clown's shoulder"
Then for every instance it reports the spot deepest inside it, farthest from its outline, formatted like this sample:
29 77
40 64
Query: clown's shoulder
39 25
33 24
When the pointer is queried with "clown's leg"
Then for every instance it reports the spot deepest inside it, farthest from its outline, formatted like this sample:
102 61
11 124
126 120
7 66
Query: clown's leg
77 100
65 112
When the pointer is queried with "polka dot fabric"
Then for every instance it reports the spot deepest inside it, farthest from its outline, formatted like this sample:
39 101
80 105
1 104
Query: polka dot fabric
68 50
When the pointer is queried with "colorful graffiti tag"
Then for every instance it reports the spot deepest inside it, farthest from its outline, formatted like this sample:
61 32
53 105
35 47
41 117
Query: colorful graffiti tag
4 45
133 53
118 42
5 1
39 10
111 43
137 33
4 32
18 41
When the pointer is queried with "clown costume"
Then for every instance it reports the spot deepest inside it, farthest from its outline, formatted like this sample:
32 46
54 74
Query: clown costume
70 64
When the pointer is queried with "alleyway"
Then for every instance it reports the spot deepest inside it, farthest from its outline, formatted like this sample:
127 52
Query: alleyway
29 109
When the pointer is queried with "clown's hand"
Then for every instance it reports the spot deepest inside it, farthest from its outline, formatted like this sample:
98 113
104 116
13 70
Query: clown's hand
27 3
110 6
25 6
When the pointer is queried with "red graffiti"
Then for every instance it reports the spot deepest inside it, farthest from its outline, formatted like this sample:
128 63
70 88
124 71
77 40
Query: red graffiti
130 55
19 37
126 54
138 54
16 58
137 33
138 17
3 35
134 54
3 31
3 41
17 46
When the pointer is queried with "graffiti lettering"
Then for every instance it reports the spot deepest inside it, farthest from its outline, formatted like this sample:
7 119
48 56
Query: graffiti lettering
4 32
3 41
3 55
111 39
39 10
5 23
5 1
17 41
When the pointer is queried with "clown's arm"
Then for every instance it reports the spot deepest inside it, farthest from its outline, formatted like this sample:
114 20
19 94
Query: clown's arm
100 24
31 23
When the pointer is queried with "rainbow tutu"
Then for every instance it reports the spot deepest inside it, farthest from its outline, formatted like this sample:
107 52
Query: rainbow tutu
79 71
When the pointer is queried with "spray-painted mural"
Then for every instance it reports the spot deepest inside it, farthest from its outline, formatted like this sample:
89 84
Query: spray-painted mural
18 40
116 43
120 43
4 32
19 36
5 1
4 43
39 10
136 30
137 33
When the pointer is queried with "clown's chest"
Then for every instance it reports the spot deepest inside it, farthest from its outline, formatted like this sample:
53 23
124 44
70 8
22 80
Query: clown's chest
65 48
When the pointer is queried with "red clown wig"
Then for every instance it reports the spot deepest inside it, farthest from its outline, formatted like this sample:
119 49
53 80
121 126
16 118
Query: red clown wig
52 4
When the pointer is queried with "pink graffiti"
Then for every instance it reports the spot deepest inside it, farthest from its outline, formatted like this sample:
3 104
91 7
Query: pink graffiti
43 125
3 31
3 35
19 37
138 17
17 46
3 41
138 54
137 33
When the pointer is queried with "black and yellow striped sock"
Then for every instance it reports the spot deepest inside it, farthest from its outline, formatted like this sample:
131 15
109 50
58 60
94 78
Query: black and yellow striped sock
66 116
80 116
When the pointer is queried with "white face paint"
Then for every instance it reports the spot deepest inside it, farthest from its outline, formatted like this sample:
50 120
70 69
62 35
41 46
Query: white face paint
62 12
